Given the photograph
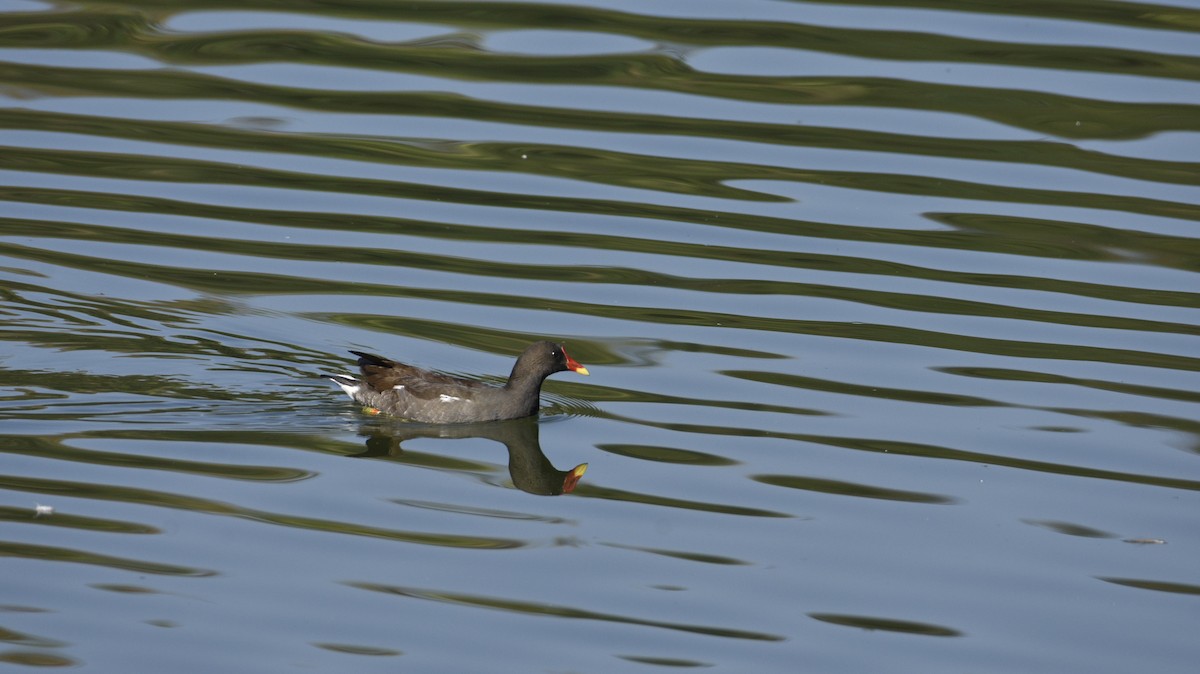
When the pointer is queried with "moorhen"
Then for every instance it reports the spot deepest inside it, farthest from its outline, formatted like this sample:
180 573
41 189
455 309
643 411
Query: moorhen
416 394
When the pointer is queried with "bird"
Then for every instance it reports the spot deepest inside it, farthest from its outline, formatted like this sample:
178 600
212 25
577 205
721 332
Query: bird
415 394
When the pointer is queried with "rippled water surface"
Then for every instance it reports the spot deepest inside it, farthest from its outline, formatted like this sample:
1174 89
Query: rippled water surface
891 311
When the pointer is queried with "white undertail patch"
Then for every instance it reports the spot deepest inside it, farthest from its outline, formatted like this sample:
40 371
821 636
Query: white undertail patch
350 389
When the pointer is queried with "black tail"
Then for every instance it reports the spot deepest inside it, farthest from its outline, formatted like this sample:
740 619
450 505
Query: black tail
365 359
342 380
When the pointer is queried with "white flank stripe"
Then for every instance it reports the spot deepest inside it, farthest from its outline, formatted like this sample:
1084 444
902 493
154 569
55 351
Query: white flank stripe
398 387
446 399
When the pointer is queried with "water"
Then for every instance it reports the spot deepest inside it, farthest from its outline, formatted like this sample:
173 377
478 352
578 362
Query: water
890 310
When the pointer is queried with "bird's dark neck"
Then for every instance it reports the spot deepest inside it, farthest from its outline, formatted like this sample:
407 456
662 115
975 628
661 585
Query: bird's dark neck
522 383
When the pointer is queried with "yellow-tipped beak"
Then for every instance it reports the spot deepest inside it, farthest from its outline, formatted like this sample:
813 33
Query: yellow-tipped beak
572 478
573 364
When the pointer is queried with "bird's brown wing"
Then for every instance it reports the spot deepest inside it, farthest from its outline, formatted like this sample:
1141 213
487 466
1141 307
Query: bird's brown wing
382 375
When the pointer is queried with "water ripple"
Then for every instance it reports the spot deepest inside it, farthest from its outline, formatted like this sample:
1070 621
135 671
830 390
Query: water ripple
529 608
910 253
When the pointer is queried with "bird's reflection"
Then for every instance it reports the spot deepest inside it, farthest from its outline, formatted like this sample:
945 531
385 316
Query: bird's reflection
528 466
